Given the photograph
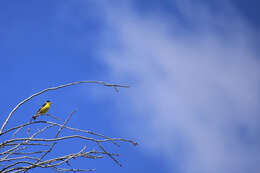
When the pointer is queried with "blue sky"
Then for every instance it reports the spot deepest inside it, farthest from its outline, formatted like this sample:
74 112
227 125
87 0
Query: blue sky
193 68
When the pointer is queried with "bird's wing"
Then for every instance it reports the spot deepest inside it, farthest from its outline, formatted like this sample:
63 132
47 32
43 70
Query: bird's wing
41 107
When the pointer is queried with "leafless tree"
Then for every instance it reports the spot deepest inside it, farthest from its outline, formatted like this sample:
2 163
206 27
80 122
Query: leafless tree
26 146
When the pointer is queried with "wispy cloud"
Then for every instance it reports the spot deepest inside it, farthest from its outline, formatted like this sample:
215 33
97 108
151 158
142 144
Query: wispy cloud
196 90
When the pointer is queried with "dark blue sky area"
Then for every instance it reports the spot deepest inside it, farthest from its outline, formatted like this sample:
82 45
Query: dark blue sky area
250 9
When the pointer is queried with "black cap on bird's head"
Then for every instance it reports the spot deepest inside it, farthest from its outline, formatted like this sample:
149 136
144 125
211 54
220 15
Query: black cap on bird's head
48 101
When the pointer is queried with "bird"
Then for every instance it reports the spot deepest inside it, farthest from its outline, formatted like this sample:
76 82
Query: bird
43 109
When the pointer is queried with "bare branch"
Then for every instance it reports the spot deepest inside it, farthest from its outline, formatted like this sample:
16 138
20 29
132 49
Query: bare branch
55 88
21 126
66 121
37 144
51 116
73 170
28 140
31 148
109 154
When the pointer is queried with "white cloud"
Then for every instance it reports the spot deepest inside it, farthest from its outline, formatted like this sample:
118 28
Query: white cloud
197 91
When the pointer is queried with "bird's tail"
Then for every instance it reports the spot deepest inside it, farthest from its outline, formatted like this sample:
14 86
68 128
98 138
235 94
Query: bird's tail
35 116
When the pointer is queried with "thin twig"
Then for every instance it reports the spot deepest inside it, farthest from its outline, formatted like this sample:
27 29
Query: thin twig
51 147
73 170
51 116
109 154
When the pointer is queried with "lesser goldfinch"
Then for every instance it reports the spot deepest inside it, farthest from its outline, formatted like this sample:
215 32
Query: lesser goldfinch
45 107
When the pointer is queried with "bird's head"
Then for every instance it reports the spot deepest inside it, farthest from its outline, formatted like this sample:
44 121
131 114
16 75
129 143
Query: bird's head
48 101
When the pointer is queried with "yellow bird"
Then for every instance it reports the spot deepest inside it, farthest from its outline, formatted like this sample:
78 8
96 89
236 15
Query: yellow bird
43 109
